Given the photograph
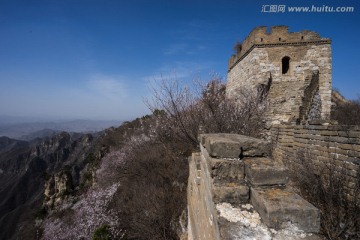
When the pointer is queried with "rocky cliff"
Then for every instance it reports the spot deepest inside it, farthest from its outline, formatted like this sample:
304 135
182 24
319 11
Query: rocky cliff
54 166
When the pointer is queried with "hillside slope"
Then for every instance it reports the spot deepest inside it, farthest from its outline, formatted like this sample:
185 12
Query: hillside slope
24 169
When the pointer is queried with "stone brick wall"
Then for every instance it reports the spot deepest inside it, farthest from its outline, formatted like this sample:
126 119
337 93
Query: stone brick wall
202 216
325 144
260 63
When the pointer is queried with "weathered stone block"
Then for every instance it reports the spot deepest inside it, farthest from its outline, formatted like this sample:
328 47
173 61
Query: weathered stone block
346 146
300 140
265 172
349 133
319 121
316 127
234 146
328 133
278 207
231 193
227 170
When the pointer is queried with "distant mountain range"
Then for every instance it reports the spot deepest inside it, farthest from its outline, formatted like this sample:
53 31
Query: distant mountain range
18 128
25 166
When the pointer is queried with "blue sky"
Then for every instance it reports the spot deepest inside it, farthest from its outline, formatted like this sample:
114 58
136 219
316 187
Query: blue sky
93 59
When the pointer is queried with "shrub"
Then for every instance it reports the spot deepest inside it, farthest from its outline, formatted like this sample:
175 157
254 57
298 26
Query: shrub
347 113
152 192
80 221
237 47
325 187
102 233
41 213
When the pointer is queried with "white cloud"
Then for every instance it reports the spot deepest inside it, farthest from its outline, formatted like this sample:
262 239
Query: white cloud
179 71
184 49
113 87
98 97
176 49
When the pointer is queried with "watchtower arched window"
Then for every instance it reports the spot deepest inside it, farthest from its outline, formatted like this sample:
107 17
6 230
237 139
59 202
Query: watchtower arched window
285 64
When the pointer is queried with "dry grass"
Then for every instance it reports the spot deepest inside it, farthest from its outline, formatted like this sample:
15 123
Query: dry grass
325 187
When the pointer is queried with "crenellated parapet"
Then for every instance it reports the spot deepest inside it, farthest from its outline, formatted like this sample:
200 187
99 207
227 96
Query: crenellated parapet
277 36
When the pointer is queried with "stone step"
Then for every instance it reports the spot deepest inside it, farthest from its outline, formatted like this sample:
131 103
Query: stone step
265 172
227 171
279 207
233 193
222 145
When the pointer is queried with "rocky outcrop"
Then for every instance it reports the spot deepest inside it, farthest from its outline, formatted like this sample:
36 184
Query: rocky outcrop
57 188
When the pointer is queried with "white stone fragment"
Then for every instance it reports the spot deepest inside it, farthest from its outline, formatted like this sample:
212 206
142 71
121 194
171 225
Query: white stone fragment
237 215
247 206
250 227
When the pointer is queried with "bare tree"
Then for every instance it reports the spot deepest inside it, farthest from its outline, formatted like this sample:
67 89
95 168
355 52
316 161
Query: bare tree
347 113
206 105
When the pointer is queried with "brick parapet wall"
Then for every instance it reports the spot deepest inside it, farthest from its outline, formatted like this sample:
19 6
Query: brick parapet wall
325 144
260 37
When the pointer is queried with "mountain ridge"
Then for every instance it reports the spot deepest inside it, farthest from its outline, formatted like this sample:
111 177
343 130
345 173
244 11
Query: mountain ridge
31 130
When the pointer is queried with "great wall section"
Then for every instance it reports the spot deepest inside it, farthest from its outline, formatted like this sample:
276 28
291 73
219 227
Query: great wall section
238 186
295 67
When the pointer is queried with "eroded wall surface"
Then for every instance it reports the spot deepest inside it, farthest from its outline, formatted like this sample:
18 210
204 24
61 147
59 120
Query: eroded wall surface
202 216
235 191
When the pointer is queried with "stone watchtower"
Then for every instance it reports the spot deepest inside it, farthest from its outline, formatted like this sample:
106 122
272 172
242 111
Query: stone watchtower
293 69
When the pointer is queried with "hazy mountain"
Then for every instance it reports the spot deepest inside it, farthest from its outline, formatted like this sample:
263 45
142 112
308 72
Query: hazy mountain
39 134
5 119
14 128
